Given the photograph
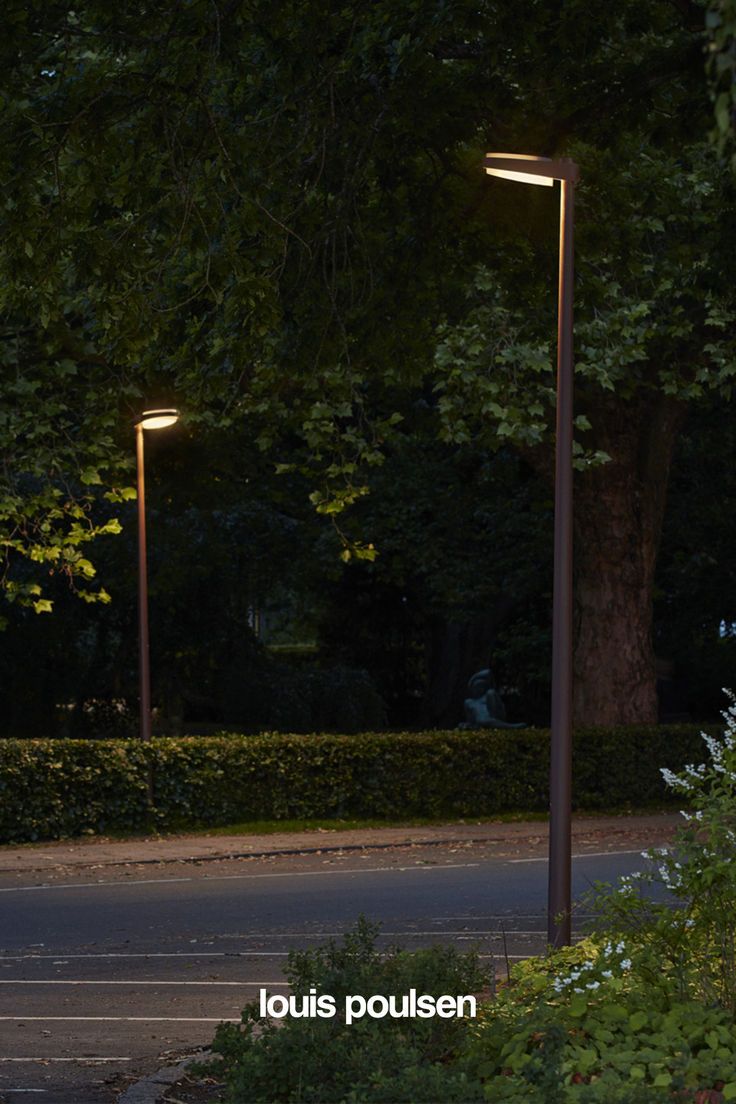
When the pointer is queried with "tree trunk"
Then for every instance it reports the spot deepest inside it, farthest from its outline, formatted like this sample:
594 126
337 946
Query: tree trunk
619 508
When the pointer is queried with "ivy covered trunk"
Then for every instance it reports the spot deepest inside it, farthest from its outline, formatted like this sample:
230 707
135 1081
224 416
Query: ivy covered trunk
619 509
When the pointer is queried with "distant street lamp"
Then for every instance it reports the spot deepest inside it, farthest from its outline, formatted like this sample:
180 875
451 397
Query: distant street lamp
149 419
545 170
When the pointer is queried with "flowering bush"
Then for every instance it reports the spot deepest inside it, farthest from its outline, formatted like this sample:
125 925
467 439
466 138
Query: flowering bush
598 1023
684 907
644 1010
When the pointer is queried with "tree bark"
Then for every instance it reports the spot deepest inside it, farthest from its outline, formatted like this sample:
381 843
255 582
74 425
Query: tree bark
619 508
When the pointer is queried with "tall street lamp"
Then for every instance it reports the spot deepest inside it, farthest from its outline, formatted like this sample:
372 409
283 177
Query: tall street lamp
545 170
149 419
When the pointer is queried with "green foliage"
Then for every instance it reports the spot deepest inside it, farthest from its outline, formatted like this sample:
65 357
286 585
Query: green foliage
650 1001
51 788
600 1023
720 22
646 1017
654 313
325 1061
270 222
691 934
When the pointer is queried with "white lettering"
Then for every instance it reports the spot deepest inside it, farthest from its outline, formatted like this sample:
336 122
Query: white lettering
403 1007
350 1010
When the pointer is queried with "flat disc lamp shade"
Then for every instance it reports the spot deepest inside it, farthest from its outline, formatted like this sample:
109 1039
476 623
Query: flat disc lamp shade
158 419
530 169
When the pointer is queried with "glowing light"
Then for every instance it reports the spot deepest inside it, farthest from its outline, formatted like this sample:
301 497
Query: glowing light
519 172
158 419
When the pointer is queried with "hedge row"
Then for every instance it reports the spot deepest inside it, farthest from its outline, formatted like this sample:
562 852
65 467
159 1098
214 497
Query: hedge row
54 788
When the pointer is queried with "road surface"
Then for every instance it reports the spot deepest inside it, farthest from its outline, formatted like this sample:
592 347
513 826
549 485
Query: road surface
109 973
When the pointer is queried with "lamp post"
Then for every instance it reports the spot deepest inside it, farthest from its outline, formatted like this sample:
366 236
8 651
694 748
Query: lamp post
149 419
545 170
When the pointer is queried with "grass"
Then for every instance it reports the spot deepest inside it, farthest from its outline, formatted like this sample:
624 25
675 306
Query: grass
270 827
344 824
323 824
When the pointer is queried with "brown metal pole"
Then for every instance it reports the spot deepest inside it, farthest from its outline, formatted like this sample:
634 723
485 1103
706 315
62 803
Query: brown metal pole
560 798
144 658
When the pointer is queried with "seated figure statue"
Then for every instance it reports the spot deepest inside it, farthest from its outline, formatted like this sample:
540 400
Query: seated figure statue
483 705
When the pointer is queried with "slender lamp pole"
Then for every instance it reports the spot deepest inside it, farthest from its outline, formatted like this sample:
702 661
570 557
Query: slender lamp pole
149 419
544 170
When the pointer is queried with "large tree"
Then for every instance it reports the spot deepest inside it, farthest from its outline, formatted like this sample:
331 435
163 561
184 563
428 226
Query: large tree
271 212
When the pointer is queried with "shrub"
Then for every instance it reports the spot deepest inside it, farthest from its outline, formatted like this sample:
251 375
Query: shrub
643 1019
52 788
599 1023
691 925
646 1010
370 1061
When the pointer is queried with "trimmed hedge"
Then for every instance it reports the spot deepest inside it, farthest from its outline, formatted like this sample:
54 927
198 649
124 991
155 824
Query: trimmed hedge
53 788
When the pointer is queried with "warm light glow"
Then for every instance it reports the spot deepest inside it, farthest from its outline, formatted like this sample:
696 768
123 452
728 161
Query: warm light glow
158 419
525 178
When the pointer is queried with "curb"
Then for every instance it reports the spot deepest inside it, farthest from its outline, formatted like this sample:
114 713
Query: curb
149 1090
491 835
262 854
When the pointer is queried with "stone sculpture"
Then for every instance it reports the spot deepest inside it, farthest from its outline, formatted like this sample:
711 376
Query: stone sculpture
483 706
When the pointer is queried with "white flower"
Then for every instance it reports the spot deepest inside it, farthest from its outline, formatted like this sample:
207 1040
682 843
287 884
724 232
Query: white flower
607 974
625 963
593 985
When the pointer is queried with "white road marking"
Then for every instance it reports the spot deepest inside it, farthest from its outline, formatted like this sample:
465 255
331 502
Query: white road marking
148 954
240 877
522 958
88 885
60 981
583 855
384 934
213 954
115 1019
85 1059
505 917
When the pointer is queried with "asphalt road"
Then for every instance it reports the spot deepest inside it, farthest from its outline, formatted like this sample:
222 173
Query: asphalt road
109 974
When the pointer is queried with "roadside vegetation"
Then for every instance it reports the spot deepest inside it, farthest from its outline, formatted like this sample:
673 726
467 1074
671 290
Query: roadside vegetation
641 1011
225 779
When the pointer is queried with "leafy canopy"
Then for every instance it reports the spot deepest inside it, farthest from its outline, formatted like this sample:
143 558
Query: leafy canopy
263 213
